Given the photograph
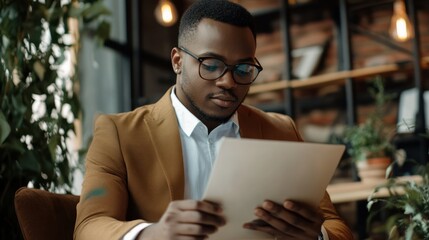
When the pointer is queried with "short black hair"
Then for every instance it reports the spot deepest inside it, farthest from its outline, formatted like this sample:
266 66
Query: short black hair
218 10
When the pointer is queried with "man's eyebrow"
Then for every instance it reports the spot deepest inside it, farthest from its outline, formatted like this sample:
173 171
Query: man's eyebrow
214 55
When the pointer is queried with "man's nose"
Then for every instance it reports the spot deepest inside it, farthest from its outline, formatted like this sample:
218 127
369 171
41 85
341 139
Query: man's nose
226 81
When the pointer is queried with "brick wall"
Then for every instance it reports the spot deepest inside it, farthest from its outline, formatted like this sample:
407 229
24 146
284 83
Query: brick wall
368 52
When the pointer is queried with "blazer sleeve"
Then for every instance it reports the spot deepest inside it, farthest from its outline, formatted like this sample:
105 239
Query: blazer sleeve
101 212
334 225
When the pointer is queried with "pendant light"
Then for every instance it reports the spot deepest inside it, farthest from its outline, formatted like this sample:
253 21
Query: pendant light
166 13
400 27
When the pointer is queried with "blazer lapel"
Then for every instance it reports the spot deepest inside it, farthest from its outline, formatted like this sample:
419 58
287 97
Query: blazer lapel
164 131
249 127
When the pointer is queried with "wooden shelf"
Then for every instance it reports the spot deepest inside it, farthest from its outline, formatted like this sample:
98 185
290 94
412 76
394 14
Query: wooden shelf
355 191
333 78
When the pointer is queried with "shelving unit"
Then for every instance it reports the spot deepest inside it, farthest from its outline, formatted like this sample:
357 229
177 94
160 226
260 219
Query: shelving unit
346 76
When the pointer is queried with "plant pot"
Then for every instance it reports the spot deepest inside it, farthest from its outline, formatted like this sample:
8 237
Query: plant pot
373 168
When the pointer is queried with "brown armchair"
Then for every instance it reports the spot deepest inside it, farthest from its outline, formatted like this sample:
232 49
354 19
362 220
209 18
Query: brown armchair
45 215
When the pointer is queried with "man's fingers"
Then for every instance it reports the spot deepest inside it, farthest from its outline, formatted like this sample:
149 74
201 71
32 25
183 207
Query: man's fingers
276 221
289 220
293 213
188 219
203 206
201 218
201 212
285 215
306 212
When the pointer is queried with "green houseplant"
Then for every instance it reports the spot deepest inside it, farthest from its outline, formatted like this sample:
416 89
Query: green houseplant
409 203
369 144
38 104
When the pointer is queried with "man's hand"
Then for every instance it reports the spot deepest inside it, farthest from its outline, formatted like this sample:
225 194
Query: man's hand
288 221
186 219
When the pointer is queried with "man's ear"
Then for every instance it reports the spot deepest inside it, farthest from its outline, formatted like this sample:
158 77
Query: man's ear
176 60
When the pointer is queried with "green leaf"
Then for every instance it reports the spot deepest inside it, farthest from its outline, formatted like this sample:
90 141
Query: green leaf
14 146
29 162
408 209
61 58
53 143
55 12
410 231
4 128
103 31
18 105
36 35
95 10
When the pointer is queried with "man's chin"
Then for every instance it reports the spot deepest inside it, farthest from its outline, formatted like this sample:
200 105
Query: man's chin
220 118
214 114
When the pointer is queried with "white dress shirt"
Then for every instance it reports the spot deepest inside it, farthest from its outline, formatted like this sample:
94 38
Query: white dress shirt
199 147
199 150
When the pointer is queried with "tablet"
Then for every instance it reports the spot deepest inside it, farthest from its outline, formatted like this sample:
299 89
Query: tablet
249 171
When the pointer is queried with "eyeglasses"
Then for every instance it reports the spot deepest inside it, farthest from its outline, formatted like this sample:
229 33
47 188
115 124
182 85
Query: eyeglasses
213 68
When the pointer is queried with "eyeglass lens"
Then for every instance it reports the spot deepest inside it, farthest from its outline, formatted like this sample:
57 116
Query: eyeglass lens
212 68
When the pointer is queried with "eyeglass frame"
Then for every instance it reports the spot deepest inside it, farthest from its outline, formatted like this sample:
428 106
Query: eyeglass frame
227 66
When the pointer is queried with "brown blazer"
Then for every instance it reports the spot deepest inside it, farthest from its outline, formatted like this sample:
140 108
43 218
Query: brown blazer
134 168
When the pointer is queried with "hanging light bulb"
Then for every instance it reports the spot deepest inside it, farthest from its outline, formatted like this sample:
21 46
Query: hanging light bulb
165 13
400 27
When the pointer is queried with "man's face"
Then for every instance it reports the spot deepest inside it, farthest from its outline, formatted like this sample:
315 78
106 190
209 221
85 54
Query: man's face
213 102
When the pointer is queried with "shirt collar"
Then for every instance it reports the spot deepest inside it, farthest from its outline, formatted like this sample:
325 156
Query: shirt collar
188 122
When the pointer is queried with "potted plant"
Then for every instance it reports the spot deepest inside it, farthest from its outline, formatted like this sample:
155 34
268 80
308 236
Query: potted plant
38 103
369 144
408 203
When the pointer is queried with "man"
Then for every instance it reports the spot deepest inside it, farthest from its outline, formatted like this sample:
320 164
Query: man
146 170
